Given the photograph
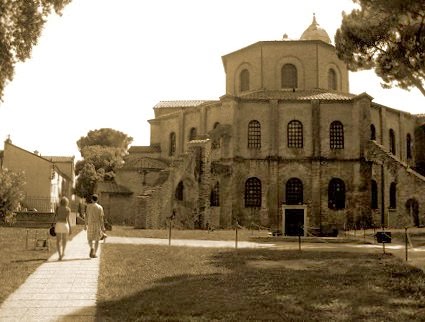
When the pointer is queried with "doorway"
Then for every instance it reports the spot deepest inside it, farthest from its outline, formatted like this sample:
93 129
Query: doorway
294 220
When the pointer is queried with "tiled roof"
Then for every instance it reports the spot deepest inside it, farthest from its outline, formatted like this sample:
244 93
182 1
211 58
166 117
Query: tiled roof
173 104
145 149
58 158
112 187
299 95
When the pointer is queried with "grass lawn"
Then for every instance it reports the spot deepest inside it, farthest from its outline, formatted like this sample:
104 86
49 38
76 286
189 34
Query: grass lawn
154 283
17 262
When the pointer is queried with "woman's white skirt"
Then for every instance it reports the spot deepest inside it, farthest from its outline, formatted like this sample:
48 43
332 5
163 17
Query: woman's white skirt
62 228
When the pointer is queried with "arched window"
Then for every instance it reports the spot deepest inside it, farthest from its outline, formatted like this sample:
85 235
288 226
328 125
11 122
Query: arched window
216 142
179 191
215 196
192 134
373 195
392 141
336 194
372 132
172 147
253 193
332 81
254 135
393 195
244 80
289 76
336 135
294 192
295 134
408 146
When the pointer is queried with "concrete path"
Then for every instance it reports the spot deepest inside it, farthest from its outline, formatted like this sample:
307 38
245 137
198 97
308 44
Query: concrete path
58 290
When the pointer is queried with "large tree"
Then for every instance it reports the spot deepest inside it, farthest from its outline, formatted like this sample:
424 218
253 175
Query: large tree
11 191
21 24
387 36
103 151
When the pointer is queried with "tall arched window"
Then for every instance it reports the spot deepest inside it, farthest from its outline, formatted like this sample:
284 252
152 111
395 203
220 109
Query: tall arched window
336 194
392 141
253 193
289 76
254 135
393 195
179 191
192 134
373 194
295 134
215 196
332 81
372 132
244 80
294 192
336 135
172 147
408 146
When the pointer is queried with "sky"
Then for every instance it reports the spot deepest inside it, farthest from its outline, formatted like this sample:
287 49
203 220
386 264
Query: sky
106 63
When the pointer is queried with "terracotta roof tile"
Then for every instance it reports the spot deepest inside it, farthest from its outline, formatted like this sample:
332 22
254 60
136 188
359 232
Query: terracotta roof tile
58 158
299 95
112 187
175 104
145 149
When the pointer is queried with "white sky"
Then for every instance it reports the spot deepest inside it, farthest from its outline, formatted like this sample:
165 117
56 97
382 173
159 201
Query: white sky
106 63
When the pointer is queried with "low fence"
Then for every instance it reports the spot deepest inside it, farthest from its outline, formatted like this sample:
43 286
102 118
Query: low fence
32 219
40 204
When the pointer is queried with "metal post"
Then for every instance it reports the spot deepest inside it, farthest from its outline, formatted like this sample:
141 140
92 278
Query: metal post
383 239
236 234
299 242
382 194
405 242
169 233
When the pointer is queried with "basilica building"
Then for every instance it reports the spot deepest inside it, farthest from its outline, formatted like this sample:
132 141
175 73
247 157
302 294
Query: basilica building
286 147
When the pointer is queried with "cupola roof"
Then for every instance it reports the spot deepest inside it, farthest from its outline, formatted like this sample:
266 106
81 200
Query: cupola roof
315 32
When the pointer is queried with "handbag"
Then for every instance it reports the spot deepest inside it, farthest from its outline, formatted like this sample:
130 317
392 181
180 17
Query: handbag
103 235
52 231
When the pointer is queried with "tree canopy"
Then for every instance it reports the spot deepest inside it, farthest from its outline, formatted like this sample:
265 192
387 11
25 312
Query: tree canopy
103 151
11 190
21 24
387 36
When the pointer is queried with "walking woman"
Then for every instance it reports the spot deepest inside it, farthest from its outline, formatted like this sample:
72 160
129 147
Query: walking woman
62 226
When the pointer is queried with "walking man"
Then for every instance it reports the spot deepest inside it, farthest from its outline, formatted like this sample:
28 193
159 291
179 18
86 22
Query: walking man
94 224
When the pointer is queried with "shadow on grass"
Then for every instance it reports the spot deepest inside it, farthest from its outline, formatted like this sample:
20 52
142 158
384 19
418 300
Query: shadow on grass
29 260
265 285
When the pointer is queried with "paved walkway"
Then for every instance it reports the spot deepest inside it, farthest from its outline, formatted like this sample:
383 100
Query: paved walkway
58 290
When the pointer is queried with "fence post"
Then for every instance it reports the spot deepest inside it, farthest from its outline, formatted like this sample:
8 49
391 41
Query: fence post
406 242
236 234
383 239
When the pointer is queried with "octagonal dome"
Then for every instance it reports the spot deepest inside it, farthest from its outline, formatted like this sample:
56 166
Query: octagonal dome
315 32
